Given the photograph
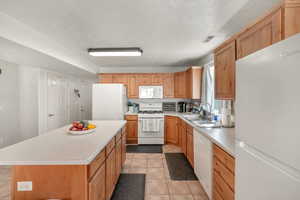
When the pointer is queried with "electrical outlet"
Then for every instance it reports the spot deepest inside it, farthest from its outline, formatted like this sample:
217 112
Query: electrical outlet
24 186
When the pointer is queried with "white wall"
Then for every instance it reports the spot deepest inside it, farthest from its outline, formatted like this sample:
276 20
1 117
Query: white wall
9 104
23 101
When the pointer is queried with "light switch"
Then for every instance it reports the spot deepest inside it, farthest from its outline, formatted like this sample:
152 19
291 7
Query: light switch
24 186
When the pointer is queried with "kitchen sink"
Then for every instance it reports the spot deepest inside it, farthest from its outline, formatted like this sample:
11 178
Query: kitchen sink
191 117
206 124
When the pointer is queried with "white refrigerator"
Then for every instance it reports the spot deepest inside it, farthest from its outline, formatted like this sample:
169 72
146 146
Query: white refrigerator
109 102
267 123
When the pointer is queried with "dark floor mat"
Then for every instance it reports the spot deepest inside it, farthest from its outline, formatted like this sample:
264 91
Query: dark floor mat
179 167
144 148
130 187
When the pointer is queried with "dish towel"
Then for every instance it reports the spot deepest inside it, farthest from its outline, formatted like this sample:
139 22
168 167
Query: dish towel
150 125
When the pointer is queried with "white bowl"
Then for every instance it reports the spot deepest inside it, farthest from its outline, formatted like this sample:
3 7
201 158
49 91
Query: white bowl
81 132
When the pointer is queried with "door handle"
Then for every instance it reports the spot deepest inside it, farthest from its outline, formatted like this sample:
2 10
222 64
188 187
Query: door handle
51 115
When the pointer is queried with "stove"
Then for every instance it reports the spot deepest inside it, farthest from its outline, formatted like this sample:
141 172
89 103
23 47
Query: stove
150 124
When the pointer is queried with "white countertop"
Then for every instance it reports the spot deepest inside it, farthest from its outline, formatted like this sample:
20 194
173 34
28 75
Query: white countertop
223 137
60 148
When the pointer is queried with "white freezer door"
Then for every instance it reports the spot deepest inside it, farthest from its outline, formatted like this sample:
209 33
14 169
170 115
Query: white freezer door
108 102
268 101
260 178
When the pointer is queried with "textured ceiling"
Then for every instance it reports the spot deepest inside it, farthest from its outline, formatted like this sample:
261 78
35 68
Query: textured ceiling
170 32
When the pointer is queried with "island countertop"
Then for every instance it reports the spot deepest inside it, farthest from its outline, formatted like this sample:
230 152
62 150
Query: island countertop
58 147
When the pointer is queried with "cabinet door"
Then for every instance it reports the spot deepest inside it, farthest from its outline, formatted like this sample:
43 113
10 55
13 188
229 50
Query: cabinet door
157 79
118 159
189 83
97 185
190 146
263 34
225 72
180 85
105 78
124 145
144 79
183 138
168 83
120 78
132 132
291 17
133 89
171 130
110 173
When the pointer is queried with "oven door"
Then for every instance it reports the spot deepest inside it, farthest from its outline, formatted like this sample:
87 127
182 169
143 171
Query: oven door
151 127
150 92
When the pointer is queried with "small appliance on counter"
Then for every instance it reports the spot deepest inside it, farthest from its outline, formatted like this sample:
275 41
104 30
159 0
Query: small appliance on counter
181 107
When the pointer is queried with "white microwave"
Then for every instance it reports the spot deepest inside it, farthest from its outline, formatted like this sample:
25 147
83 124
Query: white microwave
150 92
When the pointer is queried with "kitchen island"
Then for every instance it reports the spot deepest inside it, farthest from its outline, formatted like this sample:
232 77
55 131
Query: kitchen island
57 165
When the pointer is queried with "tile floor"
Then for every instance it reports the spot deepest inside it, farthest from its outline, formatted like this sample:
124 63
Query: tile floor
159 186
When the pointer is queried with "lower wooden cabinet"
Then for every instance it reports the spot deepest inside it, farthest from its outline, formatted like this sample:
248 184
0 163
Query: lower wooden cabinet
97 185
118 159
132 129
183 137
190 145
110 173
171 129
223 175
124 132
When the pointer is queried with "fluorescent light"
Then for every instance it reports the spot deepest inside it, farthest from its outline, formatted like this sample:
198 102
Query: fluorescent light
115 52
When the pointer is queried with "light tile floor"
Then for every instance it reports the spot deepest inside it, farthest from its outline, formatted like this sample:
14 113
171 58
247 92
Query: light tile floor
159 186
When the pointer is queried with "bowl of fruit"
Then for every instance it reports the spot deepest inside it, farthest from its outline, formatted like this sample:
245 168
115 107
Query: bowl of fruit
81 127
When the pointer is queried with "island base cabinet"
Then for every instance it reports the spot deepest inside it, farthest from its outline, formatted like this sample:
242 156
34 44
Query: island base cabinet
97 185
110 173
51 182
118 160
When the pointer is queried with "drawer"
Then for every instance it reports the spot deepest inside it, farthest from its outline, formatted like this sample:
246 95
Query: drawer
110 146
222 188
225 158
119 136
131 117
96 163
224 172
124 131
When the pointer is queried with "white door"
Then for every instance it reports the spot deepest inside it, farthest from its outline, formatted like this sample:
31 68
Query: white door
74 101
56 101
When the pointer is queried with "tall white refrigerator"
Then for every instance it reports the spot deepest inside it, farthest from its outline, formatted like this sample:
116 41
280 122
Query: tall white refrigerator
267 123
109 102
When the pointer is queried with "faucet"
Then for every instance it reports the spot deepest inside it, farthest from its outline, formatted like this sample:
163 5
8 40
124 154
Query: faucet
209 116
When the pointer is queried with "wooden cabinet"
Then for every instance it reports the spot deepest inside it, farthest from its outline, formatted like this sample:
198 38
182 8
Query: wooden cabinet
132 129
180 85
144 79
105 78
157 79
225 57
124 133
190 144
171 124
118 159
223 175
97 185
194 82
265 33
110 173
120 78
168 84
183 137
133 88
291 16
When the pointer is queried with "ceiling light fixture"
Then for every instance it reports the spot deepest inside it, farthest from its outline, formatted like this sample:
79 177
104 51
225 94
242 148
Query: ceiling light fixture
134 51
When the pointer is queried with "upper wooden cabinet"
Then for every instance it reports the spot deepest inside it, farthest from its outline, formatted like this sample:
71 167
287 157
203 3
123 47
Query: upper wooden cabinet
144 79
168 84
225 57
105 78
157 79
180 85
120 78
264 33
171 124
133 88
194 82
